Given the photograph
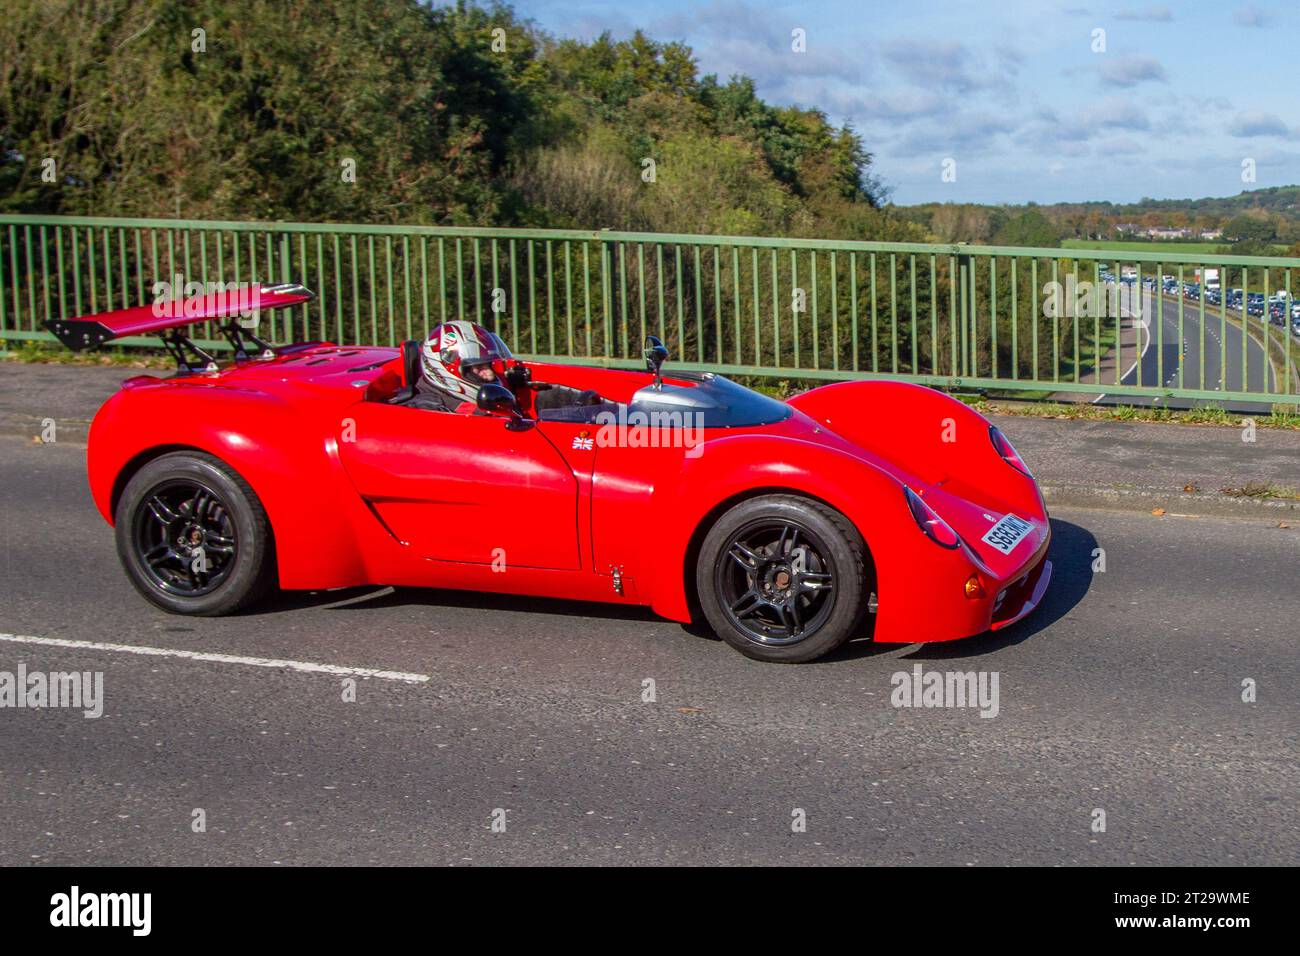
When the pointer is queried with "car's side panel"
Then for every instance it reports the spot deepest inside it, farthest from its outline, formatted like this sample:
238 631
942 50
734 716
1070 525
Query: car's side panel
627 523
575 443
288 451
464 487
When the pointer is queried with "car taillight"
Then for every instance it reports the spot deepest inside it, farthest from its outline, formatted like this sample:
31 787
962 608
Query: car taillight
1008 453
935 528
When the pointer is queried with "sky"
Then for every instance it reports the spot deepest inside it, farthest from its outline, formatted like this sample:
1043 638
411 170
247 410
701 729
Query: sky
1024 97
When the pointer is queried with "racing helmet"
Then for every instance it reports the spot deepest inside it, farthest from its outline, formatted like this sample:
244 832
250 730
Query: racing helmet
453 349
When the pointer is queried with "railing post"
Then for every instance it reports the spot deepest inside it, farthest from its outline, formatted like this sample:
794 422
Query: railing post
607 294
972 368
286 315
967 279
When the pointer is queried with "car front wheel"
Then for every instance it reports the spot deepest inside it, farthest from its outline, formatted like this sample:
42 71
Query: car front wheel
783 578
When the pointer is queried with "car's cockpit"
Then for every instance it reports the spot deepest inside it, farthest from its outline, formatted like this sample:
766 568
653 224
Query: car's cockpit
595 395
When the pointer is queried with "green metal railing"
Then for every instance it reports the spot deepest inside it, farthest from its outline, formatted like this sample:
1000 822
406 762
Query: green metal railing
982 317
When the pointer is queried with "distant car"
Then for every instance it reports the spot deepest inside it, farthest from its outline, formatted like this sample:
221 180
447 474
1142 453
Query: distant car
784 526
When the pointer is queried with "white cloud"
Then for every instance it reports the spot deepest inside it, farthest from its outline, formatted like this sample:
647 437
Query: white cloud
1129 70
1252 16
1156 14
1256 123
947 64
902 104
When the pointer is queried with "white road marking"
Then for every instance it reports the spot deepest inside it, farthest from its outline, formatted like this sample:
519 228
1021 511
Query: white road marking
303 666
1141 355
1137 325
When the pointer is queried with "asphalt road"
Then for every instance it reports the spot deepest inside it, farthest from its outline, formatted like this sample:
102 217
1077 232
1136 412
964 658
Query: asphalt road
1122 693
1161 358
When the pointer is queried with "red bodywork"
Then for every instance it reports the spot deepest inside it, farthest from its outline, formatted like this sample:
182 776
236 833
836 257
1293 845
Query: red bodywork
360 492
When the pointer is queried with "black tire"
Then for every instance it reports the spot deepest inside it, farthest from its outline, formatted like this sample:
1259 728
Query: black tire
193 536
787 612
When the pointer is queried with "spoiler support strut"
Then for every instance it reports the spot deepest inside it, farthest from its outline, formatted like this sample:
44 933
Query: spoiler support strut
236 335
177 344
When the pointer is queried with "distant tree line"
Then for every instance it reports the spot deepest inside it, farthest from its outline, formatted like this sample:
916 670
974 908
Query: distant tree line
1267 217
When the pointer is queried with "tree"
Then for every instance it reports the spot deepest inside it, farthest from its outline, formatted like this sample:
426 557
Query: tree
1250 226
401 111
959 222
260 118
1029 228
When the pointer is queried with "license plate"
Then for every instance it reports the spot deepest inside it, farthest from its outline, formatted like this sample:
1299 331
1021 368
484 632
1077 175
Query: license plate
1007 533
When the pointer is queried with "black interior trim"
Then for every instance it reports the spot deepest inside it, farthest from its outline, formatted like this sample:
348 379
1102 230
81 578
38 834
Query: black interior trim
410 372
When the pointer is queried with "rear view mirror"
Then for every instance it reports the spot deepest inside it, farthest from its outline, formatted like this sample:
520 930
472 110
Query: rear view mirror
656 353
498 400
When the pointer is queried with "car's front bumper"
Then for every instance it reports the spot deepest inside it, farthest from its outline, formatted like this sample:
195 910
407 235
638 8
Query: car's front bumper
933 603
1021 596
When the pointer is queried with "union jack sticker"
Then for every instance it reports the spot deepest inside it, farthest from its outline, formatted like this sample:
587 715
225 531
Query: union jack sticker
582 444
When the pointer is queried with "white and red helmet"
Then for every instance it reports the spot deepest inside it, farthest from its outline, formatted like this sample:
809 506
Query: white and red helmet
453 348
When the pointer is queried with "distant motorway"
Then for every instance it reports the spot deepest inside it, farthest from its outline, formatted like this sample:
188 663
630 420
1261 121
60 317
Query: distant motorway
1157 359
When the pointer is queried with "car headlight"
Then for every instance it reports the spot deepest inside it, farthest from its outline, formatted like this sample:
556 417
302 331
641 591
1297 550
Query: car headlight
928 520
1008 453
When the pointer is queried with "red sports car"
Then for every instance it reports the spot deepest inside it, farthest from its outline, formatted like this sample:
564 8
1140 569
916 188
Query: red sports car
861 508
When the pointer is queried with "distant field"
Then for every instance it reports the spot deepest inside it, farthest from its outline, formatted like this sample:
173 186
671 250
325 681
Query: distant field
1135 245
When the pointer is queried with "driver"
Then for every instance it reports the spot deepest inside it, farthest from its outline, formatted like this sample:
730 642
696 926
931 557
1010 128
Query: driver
458 357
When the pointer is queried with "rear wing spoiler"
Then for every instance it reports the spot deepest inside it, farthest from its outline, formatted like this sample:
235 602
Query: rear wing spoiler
241 302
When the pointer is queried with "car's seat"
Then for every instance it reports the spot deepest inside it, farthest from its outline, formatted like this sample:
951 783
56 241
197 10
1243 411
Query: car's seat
410 372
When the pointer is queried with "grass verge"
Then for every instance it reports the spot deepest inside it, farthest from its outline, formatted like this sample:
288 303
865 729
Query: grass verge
1262 490
37 352
1282 416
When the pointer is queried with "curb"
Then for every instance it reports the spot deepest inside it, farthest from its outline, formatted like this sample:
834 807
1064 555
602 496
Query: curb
1145 500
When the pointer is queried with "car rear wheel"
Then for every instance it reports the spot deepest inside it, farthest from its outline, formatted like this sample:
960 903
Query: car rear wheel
193 537
783 578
